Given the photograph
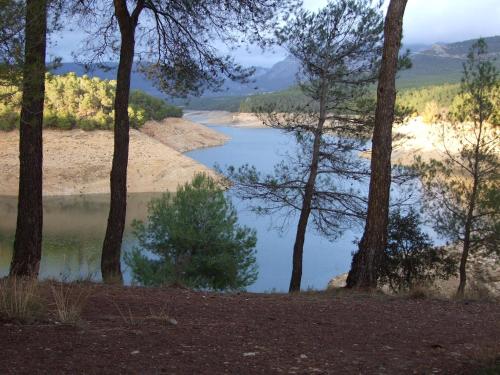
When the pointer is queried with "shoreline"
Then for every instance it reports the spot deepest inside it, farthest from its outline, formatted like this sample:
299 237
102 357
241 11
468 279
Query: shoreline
225 118
77 162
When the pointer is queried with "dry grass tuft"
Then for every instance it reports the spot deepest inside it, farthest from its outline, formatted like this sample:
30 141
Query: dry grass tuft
70 299
162 316
20 300
126 314
420 292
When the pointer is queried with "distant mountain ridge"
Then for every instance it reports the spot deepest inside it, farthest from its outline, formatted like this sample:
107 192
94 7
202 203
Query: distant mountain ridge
443 63
434 64
461 49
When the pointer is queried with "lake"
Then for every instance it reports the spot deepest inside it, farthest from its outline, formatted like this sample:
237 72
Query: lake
74 226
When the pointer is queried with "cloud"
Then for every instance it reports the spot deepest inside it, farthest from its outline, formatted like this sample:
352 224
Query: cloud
426 21
430 21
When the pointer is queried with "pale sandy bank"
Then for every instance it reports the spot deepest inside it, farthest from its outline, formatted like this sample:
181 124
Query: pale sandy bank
424 140
183 135
416 138
78 162
234 119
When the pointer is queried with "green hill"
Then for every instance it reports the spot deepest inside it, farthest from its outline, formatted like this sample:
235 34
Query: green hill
441 64
85 103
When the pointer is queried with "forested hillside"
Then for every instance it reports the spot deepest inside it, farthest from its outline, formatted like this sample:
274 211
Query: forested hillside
441 64
85 103
431 66
431 102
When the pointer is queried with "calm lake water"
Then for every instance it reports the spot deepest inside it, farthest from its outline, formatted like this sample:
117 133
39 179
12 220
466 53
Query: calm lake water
74 226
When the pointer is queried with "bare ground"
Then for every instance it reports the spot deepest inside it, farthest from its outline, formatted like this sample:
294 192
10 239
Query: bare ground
183 135
78 162
123 331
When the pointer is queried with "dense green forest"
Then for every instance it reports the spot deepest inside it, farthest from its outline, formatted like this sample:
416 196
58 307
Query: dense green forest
84 103
418 99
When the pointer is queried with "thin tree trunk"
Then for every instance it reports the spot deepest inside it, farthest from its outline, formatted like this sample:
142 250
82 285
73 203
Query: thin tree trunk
366 262
463 263
467 240
298 247
111 251
28 238
469 218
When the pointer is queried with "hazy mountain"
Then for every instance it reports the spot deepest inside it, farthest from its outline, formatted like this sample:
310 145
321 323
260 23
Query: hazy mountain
461 49
442 63
415 47
435 64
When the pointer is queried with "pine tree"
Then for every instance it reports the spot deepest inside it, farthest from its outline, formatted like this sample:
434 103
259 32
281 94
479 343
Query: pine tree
462 190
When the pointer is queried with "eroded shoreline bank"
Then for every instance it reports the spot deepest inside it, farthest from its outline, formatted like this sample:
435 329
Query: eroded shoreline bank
77 162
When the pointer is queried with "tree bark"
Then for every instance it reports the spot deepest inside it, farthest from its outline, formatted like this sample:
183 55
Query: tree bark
111 251
298 247
28 237
470 217
366 262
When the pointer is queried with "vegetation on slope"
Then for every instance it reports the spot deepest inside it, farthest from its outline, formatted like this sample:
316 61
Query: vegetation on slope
435 72
431 102
85 103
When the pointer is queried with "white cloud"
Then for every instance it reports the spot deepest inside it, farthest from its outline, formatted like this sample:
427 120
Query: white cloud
429 21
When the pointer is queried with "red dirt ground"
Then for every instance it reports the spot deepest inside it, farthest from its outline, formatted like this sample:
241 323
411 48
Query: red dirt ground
320 333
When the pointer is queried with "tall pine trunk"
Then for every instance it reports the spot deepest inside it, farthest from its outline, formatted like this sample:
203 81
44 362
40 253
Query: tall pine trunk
366 262
111 251
28 238
298 247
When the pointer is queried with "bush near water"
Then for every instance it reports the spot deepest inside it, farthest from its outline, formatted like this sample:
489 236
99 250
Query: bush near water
73 102
195 240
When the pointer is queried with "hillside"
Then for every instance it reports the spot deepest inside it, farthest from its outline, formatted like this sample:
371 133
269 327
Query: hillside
442 63
434 65
82 102
280 76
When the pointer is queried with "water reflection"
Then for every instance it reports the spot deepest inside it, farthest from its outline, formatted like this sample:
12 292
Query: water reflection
73 231
74 227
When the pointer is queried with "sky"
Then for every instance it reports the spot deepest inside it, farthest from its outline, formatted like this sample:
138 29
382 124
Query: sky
425 22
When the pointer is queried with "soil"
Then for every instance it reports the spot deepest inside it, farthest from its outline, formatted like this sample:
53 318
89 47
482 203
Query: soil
183 135
124 330
78 162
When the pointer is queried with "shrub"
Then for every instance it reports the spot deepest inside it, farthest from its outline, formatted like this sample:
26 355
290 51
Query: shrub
19 300
410 259
431 113
153 108
195 240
